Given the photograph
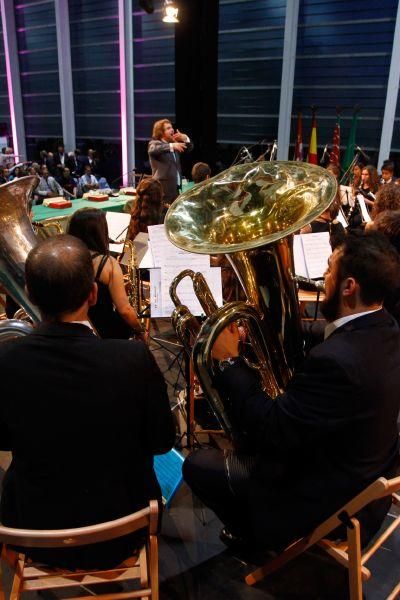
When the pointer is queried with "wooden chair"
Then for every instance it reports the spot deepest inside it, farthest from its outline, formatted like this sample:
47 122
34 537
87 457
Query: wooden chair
30 577
347 553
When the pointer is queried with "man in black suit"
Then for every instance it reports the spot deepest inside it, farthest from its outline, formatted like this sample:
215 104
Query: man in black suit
82 450
164 150
332 432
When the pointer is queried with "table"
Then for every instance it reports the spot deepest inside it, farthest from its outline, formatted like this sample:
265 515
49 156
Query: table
41 213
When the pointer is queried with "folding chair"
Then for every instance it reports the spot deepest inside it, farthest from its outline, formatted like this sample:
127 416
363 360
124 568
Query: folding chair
347 553
29 576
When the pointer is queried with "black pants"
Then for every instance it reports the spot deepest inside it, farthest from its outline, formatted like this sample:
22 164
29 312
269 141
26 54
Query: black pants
219 480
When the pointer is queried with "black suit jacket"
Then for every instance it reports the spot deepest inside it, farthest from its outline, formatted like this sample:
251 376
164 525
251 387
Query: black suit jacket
331 434
165 165
82 452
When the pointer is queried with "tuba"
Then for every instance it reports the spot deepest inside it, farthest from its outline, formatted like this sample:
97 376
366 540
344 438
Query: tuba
17 239
249 213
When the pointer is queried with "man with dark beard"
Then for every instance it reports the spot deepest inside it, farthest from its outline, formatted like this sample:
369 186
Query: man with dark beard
334 429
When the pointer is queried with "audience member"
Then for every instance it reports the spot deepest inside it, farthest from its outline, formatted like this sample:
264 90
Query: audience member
68 183
60 158
47 186
147 209
112 316
88 182
83 451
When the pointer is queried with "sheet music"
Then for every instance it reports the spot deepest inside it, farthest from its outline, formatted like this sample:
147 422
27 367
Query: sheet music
118 224
342 219
300 267
185 289
155 293
363 208
311 253
166 254
141 243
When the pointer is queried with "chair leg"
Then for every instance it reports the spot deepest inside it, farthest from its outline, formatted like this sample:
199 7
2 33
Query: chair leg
354 552
19 564
153 566
276 563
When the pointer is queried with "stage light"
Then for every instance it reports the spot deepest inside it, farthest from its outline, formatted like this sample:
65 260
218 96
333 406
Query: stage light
147 6
170 12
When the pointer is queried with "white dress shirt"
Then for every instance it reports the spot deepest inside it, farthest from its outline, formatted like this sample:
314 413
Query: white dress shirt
330 328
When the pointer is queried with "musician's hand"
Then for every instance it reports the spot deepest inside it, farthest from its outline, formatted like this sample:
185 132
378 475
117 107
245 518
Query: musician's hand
180 137
179 146
227 343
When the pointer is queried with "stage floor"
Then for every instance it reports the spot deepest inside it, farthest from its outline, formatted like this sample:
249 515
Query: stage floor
195 564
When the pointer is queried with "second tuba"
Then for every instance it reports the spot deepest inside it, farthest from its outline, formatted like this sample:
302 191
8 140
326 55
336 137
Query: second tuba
249 213
17 239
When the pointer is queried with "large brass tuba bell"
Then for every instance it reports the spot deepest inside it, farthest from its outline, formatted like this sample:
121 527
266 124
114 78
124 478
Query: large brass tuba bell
248 213
17 238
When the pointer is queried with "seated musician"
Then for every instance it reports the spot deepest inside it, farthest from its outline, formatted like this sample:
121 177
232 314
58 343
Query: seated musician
147 209
112 315
332 432
83 445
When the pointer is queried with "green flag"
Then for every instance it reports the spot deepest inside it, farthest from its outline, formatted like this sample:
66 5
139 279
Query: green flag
351 142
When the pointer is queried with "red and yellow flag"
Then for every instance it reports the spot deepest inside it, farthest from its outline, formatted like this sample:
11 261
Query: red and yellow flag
312 148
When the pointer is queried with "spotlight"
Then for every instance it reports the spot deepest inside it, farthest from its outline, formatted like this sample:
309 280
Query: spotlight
170 12
147 6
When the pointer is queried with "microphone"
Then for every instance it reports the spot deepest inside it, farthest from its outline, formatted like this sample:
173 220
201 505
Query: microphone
361 151
325 152
133 170
246 154
273 151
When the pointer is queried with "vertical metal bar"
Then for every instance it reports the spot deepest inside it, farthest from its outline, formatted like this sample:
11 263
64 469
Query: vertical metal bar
391 95
288 66
126 88
65 74
13 79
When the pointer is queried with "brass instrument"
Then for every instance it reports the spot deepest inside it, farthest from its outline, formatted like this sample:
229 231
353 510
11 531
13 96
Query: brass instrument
133 276
48 227
12 328
17 239
249 213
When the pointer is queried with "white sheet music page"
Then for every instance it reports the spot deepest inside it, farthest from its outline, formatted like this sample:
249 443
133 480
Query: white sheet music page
155 293
185 289
166 254
118 224
300 267
363 208
317 250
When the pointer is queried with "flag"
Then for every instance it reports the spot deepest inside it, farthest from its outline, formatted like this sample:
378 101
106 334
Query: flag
334 156
351 142
298 151
312 147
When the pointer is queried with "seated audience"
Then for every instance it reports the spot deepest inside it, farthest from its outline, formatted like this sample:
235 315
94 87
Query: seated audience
68 183
200 172
93 161
83 451
147 208
112 316
88 182
332 432
60 158
74 165
47 186
4 175
387 173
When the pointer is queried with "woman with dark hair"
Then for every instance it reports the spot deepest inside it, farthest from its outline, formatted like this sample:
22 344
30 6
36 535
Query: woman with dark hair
369 183
112 316
147 208
328 222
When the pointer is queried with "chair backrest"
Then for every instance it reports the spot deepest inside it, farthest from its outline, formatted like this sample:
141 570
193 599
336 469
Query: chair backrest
61 538
378 489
